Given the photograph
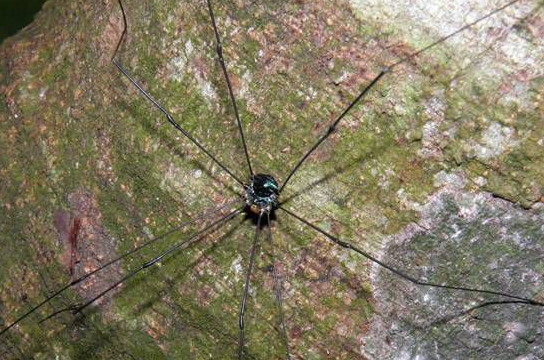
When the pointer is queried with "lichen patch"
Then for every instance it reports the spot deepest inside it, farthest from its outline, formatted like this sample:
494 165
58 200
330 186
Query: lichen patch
496 139
462 239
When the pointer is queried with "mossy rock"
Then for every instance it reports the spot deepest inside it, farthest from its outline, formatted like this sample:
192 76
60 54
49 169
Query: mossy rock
80 145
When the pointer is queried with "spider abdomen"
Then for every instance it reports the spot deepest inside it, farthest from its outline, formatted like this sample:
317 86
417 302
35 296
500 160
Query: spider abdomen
262 193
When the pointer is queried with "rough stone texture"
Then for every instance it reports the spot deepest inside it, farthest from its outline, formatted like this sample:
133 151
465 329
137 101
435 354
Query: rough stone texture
475 239
86 245
467 112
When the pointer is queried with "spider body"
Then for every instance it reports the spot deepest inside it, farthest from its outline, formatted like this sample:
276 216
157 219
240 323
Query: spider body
262 193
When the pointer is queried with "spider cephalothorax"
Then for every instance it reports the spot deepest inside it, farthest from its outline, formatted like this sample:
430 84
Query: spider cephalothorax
262 193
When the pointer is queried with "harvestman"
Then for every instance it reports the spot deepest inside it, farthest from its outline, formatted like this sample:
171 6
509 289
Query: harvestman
261 197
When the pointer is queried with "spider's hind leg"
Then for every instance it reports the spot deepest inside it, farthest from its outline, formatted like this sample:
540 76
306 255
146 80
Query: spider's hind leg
241 317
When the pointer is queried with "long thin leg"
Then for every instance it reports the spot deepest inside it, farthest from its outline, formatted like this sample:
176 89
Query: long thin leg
461 29
246 289
277 291
399 273
221 221
385 70
219 49
473 308
82 278
332 127
161 108
123 33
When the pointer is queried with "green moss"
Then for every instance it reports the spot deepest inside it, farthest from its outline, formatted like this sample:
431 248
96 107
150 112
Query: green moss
103 136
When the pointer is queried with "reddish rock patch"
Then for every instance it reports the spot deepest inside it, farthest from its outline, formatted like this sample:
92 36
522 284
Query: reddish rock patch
87 245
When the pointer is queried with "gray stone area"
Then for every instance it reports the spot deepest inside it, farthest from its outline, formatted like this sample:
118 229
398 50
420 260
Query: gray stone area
465 239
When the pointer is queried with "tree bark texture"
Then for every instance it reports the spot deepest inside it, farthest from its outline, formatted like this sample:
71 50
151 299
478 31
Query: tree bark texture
439 172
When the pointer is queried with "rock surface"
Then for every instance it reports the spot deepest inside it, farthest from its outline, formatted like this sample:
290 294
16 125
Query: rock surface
446 150
466 239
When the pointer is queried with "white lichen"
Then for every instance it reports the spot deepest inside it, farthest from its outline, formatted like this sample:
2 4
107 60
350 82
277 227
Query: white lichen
495 140
494 44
